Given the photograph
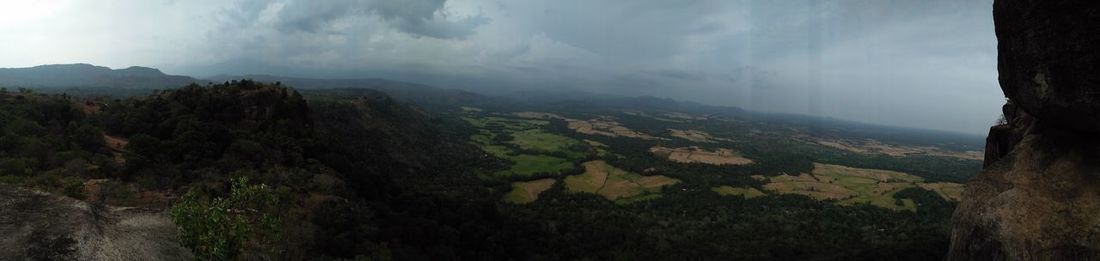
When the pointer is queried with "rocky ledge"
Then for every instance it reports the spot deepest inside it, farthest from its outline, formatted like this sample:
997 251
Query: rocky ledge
40 226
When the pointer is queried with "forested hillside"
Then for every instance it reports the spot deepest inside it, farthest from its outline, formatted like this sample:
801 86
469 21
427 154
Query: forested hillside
319 174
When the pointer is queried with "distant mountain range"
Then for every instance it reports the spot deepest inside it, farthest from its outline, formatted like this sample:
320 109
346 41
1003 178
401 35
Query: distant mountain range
136 79
87 75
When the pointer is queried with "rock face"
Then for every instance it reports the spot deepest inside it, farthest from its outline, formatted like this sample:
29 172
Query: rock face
39 226
1048 59
1039 195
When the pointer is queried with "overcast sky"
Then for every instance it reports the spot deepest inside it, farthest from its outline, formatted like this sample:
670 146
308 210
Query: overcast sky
928 64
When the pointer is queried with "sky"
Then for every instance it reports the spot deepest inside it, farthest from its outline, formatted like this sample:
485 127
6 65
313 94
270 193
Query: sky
927 64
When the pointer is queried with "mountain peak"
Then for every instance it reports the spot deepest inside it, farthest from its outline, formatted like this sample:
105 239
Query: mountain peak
140 71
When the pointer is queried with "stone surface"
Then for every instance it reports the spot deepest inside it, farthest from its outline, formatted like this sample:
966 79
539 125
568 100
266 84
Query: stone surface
1038 197
40 226
1048 59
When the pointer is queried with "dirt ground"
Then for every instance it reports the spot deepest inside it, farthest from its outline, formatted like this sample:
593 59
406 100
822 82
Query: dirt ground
118 146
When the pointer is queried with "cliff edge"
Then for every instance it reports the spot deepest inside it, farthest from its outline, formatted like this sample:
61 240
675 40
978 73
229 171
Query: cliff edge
1038 197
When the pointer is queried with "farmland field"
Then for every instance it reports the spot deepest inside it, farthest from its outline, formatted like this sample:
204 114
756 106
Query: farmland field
527 192
526 165
541 141
849 186
703 164
614 183
698 155
738 191
525 145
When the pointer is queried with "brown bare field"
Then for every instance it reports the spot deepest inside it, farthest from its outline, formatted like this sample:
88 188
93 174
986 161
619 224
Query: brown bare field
614 183
871 146
947 190
697 155
527 192
605 127
649 182
876 174
591 181
619 186
696 136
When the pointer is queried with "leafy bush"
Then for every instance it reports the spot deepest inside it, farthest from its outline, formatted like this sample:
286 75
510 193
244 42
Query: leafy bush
74 188
245 224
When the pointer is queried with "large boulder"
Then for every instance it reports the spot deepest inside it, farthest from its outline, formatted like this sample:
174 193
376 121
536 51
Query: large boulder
1048 59
1038 197
1039 202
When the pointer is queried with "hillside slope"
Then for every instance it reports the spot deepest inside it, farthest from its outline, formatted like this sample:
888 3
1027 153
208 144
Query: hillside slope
337 173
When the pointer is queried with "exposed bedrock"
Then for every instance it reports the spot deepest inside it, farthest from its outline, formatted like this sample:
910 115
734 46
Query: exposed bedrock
1038 197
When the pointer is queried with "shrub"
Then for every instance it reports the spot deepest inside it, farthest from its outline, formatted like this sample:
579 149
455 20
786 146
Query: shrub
244 224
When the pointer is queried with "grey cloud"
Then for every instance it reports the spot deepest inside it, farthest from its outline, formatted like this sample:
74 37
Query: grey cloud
440 28
680 75
927 63
624 30
416 17
315 16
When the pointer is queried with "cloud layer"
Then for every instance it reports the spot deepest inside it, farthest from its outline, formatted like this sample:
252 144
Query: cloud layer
928 64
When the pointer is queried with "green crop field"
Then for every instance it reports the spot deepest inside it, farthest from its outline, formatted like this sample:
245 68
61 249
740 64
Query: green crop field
526 165
738 191
849 186
538 140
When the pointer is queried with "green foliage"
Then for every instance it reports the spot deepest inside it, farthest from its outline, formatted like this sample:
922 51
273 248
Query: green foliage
74 188
243 224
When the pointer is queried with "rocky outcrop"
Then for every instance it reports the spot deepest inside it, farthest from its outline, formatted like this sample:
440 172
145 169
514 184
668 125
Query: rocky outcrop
1038 197
40 226
1048 59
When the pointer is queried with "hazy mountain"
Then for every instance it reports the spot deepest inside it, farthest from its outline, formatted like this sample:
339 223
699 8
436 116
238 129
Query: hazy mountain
87 75
420 94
